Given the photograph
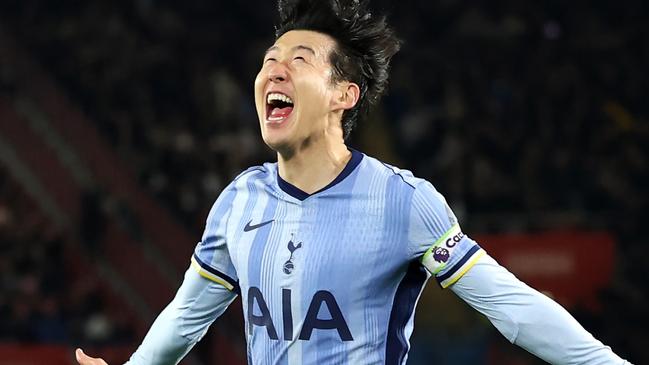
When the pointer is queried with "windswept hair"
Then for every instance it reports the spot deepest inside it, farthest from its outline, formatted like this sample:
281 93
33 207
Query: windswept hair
365 45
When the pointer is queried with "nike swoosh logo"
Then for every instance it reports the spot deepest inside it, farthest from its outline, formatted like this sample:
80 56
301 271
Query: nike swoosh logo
250 227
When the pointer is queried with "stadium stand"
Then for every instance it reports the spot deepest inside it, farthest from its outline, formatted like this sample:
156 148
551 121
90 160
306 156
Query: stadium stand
529 117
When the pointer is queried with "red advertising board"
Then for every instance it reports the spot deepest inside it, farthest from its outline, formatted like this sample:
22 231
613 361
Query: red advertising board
571 266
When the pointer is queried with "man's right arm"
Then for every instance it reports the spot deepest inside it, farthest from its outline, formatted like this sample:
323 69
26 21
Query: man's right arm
210 285
198 302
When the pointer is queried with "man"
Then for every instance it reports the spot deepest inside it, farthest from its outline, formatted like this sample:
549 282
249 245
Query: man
330 248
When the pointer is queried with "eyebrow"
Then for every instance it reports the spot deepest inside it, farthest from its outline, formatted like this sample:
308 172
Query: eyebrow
296 48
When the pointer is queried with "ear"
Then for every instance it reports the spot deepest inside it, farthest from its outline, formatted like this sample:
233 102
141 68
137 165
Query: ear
347 95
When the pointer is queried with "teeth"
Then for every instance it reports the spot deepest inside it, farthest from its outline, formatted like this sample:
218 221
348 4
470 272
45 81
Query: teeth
277 96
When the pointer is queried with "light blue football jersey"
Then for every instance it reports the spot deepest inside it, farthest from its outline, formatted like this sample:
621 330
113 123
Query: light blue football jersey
332 277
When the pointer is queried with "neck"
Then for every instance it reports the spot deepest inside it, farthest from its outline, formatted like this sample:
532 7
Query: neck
315 165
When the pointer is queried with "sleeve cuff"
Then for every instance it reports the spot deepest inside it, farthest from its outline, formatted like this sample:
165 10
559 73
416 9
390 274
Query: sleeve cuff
214 275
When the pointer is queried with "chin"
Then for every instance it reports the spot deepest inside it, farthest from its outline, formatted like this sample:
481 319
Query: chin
275 143
281 146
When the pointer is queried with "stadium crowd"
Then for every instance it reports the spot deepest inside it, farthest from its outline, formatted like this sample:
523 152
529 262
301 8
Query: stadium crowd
40 300
525 115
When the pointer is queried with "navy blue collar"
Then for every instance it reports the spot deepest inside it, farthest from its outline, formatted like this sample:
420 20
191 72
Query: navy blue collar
299 194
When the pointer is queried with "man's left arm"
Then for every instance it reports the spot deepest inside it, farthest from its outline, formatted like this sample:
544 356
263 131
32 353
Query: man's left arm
523 315
528 318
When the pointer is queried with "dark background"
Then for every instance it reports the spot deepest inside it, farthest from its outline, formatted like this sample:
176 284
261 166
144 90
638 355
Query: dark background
121 121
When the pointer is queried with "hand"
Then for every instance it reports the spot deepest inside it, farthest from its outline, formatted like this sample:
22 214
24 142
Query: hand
84 359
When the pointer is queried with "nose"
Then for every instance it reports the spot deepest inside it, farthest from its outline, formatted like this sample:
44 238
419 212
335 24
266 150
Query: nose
277 73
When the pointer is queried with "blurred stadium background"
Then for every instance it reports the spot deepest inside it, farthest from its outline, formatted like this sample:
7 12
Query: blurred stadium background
121 121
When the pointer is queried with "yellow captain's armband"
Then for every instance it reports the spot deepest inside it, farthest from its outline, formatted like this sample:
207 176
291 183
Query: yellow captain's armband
440 253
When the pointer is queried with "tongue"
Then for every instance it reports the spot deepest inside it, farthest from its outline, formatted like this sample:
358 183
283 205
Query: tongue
281 112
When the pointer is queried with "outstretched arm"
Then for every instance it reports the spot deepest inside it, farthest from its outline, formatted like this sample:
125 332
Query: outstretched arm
181 324
528 318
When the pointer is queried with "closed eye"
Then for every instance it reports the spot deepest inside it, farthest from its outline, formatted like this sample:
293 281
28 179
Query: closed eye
299 58
269 59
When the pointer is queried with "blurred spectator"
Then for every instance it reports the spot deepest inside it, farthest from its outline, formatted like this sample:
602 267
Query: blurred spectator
39 301
93 222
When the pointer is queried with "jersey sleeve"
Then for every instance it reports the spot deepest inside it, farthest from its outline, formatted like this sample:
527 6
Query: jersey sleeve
211 257
436 238
183 322
530 319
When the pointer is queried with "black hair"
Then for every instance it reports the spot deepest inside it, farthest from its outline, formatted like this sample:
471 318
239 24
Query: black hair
365 45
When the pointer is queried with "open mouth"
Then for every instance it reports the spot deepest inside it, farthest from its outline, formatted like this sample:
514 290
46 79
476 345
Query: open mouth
278 107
